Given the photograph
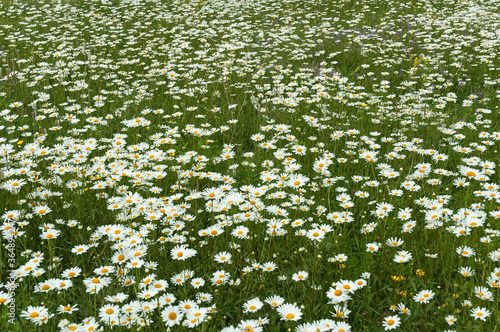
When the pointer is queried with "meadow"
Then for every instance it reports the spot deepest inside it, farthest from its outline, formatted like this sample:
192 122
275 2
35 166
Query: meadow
237 165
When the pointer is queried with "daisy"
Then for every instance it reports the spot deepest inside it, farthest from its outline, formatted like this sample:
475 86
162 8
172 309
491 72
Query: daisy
187 305
223 257
307 327
182 252
297 181
403 309
252 305
249 325
300 276
187 274
394 242
480 313
347 285
472 173
214 230
268 266
94 285
48 285
197 282
466 271
391 322
104 270
289 312
402 256
340 311
424 296
274 301
65 284
220 277
42 210
204 297
11 215
493 281
172 315
178 279
109 312
71 272
120 297
67 308
121 256
147 294
135 263
168 298
38 315
315 234
90 324
465 251
341 327
338 295
195 316
450 319
5 298
483 293
373 247
50 234
360 283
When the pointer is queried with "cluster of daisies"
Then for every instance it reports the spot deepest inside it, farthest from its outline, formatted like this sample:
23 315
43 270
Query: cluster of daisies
247 165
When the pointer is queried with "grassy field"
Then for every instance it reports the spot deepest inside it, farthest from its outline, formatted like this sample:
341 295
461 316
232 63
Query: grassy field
298 165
